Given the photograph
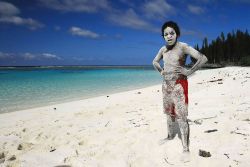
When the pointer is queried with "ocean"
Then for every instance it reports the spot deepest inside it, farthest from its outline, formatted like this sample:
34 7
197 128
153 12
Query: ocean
29 87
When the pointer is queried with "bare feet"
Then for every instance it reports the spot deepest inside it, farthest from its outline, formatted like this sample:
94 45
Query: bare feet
185 157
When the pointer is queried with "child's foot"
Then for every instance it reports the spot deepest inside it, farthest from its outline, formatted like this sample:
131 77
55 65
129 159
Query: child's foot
185 157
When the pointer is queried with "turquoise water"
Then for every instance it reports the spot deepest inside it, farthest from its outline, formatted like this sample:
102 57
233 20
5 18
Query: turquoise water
23 88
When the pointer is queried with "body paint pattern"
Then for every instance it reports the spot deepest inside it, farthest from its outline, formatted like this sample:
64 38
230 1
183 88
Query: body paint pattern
175 98
184 130
175 88
175 106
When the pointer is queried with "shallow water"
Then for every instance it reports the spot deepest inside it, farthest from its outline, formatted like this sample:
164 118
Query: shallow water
28 87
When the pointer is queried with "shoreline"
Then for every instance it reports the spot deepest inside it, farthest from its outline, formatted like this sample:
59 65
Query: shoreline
79 99
124 129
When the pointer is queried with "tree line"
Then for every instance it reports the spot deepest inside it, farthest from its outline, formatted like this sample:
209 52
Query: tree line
232 49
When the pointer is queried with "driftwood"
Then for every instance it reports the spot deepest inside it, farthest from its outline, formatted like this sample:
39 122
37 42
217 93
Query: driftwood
227 155
215 80
200 120
209 131
239 133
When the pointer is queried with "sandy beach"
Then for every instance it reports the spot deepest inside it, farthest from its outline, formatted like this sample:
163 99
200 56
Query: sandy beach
124 129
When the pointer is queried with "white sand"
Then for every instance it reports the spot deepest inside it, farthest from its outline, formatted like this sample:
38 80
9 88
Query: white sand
124 129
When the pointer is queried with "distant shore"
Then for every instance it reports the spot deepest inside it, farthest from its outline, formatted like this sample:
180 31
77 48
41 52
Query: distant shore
99 66
208 66
79 66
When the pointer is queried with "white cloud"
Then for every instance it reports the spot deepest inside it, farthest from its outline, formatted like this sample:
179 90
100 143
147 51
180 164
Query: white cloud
127 18
57 28
130 3
83 33
50 56
7 9
243 1
90 59
118 36
9 15
193 33
31 23
195 9
130 19
5 55
83 58
78 58
76 5
29 56
157 9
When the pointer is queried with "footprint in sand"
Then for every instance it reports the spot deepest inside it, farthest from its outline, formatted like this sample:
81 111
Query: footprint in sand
41 136
12 158
2 157
78 114
25 146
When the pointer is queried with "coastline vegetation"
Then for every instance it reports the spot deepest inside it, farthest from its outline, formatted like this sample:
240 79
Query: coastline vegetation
230 50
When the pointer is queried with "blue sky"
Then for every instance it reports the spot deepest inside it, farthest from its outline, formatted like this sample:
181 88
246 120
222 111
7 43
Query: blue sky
105 32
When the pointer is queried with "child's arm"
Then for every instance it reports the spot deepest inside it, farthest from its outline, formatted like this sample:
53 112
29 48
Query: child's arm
156 61
201 59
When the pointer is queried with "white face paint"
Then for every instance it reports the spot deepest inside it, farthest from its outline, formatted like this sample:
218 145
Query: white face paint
170 35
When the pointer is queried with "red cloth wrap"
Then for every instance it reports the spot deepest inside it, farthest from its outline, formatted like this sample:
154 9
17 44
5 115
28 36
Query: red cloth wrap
184 84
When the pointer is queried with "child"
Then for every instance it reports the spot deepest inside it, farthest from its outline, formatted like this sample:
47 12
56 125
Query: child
175 83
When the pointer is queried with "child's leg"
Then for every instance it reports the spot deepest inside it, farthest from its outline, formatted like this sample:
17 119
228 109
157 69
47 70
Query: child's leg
170 126
182 111
168 109
171 129
184 128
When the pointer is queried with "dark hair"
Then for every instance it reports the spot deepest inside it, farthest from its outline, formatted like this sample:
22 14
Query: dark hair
172 25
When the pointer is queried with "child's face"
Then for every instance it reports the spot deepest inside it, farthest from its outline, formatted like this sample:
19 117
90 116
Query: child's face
170 35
